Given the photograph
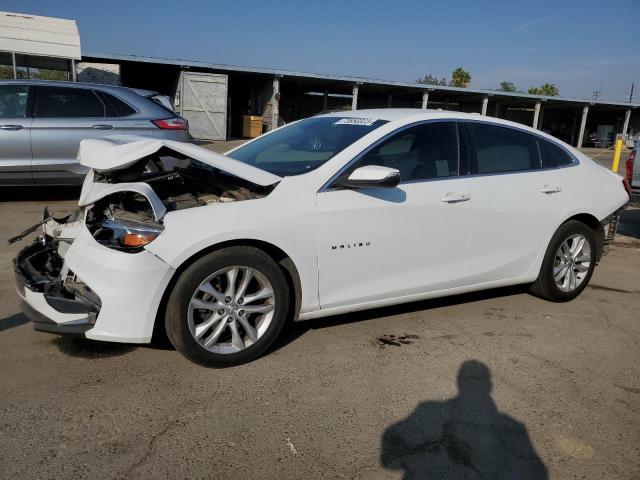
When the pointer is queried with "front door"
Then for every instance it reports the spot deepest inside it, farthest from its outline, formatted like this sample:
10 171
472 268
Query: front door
15 135
375 244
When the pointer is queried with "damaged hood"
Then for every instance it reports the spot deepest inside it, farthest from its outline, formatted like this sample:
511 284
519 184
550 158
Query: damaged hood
120 152
115 153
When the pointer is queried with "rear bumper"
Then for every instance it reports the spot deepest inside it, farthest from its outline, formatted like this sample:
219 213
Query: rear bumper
609 229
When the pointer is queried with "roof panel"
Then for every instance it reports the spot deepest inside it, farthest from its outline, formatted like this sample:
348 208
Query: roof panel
353 80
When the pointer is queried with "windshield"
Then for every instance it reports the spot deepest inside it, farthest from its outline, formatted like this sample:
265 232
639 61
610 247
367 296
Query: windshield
305 145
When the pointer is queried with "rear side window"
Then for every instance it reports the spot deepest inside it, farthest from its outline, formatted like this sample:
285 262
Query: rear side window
60 102
13 101
553 155
496 149
120 108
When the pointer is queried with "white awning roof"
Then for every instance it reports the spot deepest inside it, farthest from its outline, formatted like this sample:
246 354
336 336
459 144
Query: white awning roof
35 35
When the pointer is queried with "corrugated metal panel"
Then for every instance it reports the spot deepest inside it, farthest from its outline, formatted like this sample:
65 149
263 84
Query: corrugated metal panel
348 79
35 35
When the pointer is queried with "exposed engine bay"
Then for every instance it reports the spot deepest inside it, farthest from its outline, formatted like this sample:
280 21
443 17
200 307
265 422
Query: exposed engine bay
181 182
178 181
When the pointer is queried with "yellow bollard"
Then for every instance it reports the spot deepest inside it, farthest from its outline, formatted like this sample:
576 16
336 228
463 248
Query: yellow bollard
616 155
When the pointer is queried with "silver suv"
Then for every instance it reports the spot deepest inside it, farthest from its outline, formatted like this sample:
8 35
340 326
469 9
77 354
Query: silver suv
42 123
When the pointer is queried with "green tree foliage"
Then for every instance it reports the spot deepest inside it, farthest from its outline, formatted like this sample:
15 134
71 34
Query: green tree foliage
548 89
432 80
51 75
460 78
6 73
507 87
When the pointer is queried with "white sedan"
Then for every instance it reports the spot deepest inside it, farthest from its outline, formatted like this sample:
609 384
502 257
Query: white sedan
336 213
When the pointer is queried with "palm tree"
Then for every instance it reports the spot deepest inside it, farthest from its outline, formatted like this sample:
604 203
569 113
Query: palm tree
460 78
548 89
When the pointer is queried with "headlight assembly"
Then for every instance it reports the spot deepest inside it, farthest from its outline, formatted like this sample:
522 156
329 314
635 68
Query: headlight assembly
126 235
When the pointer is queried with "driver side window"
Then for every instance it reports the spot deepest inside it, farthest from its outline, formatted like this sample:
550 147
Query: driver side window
423 152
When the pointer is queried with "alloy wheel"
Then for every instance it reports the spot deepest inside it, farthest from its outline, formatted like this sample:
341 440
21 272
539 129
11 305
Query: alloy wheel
231 309
572 262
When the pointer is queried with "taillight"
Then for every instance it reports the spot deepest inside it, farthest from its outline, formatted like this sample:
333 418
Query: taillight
175 123
628 166
627 187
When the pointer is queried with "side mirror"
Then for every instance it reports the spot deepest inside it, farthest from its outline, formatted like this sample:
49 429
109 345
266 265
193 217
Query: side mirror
371 176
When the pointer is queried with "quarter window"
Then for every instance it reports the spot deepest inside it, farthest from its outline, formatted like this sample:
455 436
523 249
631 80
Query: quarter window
423 152
119 108
553 155
60 102
13 101
497 149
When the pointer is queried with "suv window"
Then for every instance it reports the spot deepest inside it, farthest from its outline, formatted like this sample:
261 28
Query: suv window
553 155
13 101
496 149
61 102
115 106
423 152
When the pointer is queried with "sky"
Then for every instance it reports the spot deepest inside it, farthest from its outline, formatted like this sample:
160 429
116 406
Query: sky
580 46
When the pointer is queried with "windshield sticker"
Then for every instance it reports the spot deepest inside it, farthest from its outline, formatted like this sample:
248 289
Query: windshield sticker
367 122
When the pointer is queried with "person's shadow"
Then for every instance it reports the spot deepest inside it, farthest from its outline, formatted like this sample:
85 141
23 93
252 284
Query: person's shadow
463 437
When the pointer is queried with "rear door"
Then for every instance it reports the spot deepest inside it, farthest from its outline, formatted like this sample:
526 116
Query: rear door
15 135
518 201
63 117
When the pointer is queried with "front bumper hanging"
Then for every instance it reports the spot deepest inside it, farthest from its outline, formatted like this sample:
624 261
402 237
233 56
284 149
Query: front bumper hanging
50 295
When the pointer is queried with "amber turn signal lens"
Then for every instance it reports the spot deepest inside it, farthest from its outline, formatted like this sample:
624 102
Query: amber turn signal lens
137 239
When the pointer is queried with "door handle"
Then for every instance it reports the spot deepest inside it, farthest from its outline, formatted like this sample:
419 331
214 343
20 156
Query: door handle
455 197
551 189
11 127
102 126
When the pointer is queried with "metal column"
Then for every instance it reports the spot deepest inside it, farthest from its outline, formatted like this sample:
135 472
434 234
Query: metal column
73 70
583 124
536 115
15 68
354 99
389 100
627 117
275 103
425 100
485 102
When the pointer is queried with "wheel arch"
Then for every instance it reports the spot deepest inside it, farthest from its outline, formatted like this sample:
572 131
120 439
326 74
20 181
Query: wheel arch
279 256
592 222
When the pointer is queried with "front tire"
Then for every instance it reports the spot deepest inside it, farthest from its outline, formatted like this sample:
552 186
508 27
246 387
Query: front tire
568 263
228 307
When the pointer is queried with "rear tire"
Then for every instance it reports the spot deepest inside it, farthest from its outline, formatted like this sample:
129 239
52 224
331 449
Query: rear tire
568 263
216 319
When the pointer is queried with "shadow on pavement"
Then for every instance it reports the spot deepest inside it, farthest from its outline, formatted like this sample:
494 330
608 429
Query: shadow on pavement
85 348
39 193
464 437
294 330
630 223
14 320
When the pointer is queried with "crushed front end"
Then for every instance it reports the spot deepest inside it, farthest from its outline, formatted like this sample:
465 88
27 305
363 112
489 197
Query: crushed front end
51 295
